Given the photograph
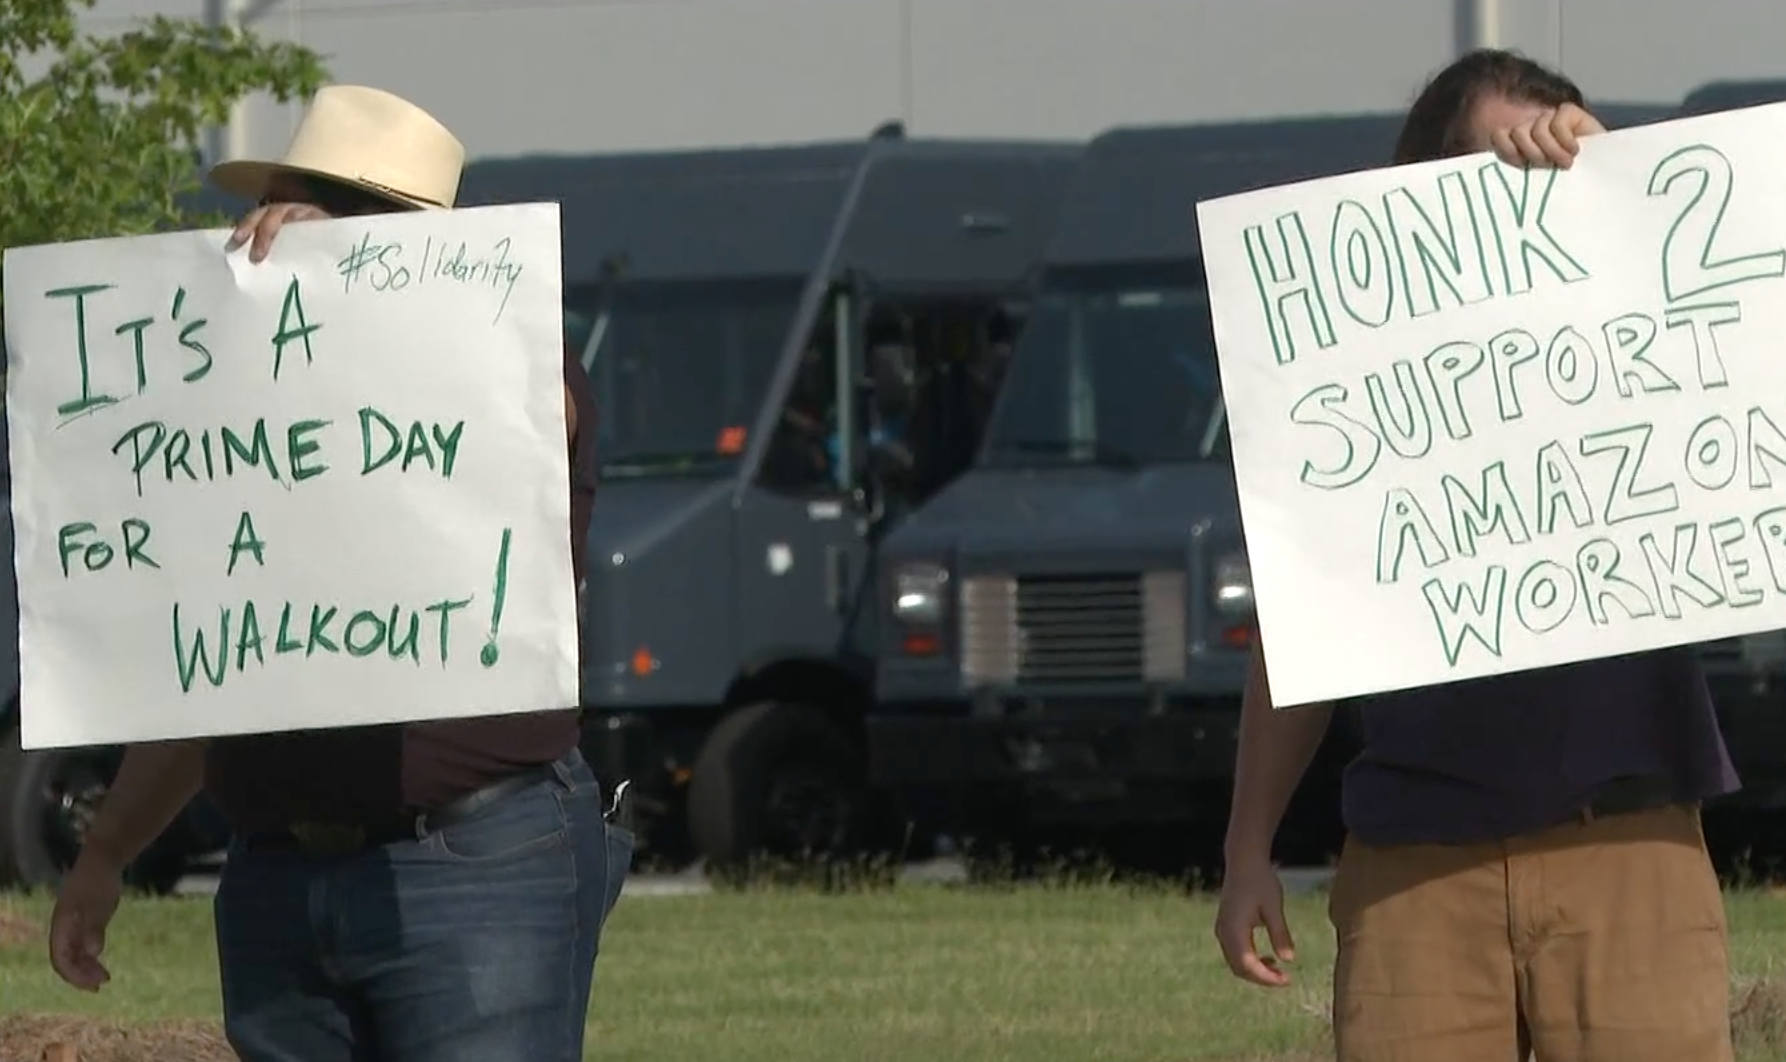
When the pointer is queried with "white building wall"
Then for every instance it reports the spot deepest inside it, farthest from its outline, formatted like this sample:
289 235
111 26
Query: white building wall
616 75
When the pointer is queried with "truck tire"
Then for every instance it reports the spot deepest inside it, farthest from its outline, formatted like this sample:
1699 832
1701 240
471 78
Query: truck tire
780 781
44 797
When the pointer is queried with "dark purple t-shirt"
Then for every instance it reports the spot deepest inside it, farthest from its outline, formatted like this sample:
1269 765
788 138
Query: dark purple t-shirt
1497 757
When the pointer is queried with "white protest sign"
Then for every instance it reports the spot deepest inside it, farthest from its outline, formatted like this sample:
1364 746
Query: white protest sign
328 489
1487 419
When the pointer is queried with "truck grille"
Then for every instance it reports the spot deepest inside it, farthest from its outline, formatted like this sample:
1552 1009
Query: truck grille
1055 629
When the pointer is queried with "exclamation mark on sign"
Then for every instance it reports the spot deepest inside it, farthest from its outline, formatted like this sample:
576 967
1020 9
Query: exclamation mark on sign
491 653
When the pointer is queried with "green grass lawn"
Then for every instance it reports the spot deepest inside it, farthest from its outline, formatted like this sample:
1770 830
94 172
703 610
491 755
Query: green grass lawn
901 975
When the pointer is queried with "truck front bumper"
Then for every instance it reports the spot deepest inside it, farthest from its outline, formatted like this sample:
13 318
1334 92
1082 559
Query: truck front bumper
954 770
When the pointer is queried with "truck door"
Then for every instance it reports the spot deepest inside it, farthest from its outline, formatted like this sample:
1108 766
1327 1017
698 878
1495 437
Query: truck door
802 529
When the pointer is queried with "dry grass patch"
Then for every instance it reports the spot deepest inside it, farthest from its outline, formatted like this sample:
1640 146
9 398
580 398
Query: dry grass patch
30 1038
1758 1018
17 930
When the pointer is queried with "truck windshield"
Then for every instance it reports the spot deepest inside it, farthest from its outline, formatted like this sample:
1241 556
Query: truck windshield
680 372
1115 368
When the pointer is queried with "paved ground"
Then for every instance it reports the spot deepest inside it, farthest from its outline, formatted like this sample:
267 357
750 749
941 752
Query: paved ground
691 882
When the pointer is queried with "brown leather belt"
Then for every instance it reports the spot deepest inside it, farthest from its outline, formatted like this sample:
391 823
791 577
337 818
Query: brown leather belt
337 839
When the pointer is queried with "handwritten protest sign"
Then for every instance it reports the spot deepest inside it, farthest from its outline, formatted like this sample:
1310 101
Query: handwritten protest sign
327 489
1487 419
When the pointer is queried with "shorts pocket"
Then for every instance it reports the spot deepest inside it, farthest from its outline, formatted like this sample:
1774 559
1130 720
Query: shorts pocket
1695 896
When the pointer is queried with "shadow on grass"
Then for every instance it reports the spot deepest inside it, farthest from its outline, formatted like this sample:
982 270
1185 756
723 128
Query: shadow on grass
1005 866
814 874
986 868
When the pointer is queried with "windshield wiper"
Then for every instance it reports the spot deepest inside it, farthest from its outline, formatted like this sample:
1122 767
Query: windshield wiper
1078 451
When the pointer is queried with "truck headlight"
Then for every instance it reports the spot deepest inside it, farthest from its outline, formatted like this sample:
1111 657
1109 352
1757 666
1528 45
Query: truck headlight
918 593
1233 585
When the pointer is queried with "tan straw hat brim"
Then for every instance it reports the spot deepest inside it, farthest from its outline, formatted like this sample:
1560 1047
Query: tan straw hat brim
250 179
366 139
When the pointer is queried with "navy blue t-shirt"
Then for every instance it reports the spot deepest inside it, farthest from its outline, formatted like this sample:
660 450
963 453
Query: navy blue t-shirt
1496 757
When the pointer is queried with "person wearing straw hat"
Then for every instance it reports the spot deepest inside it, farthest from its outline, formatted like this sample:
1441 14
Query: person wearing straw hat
431 891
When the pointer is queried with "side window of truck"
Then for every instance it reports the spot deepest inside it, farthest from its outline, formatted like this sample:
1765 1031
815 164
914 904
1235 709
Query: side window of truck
803 451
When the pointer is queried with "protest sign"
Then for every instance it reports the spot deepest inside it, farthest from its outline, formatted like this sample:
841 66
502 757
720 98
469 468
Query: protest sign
1488 419
327 489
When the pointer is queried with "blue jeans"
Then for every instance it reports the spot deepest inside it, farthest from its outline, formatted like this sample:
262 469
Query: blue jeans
475 944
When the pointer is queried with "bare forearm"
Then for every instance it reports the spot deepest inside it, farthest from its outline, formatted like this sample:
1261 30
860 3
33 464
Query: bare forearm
1275 751
154 783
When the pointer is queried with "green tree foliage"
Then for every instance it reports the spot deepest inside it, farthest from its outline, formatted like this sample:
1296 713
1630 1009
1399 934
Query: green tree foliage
99 136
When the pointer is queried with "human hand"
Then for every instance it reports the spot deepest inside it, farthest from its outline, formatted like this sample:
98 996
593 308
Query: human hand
84 907
1551 139
1252 896
262 224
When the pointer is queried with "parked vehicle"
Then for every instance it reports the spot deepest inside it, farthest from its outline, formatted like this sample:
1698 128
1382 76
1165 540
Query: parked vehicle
1718 96
792 349
1068 623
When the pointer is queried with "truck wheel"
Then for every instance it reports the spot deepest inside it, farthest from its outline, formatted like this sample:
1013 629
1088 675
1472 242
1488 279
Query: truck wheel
47 798
777 780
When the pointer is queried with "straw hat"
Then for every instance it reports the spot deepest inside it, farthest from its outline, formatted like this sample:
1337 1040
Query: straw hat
367 139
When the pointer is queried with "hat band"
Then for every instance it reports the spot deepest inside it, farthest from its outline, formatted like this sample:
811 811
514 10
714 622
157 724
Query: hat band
388 190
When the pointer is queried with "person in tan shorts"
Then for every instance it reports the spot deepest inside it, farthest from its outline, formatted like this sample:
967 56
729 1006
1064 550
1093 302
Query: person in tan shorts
1524 872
